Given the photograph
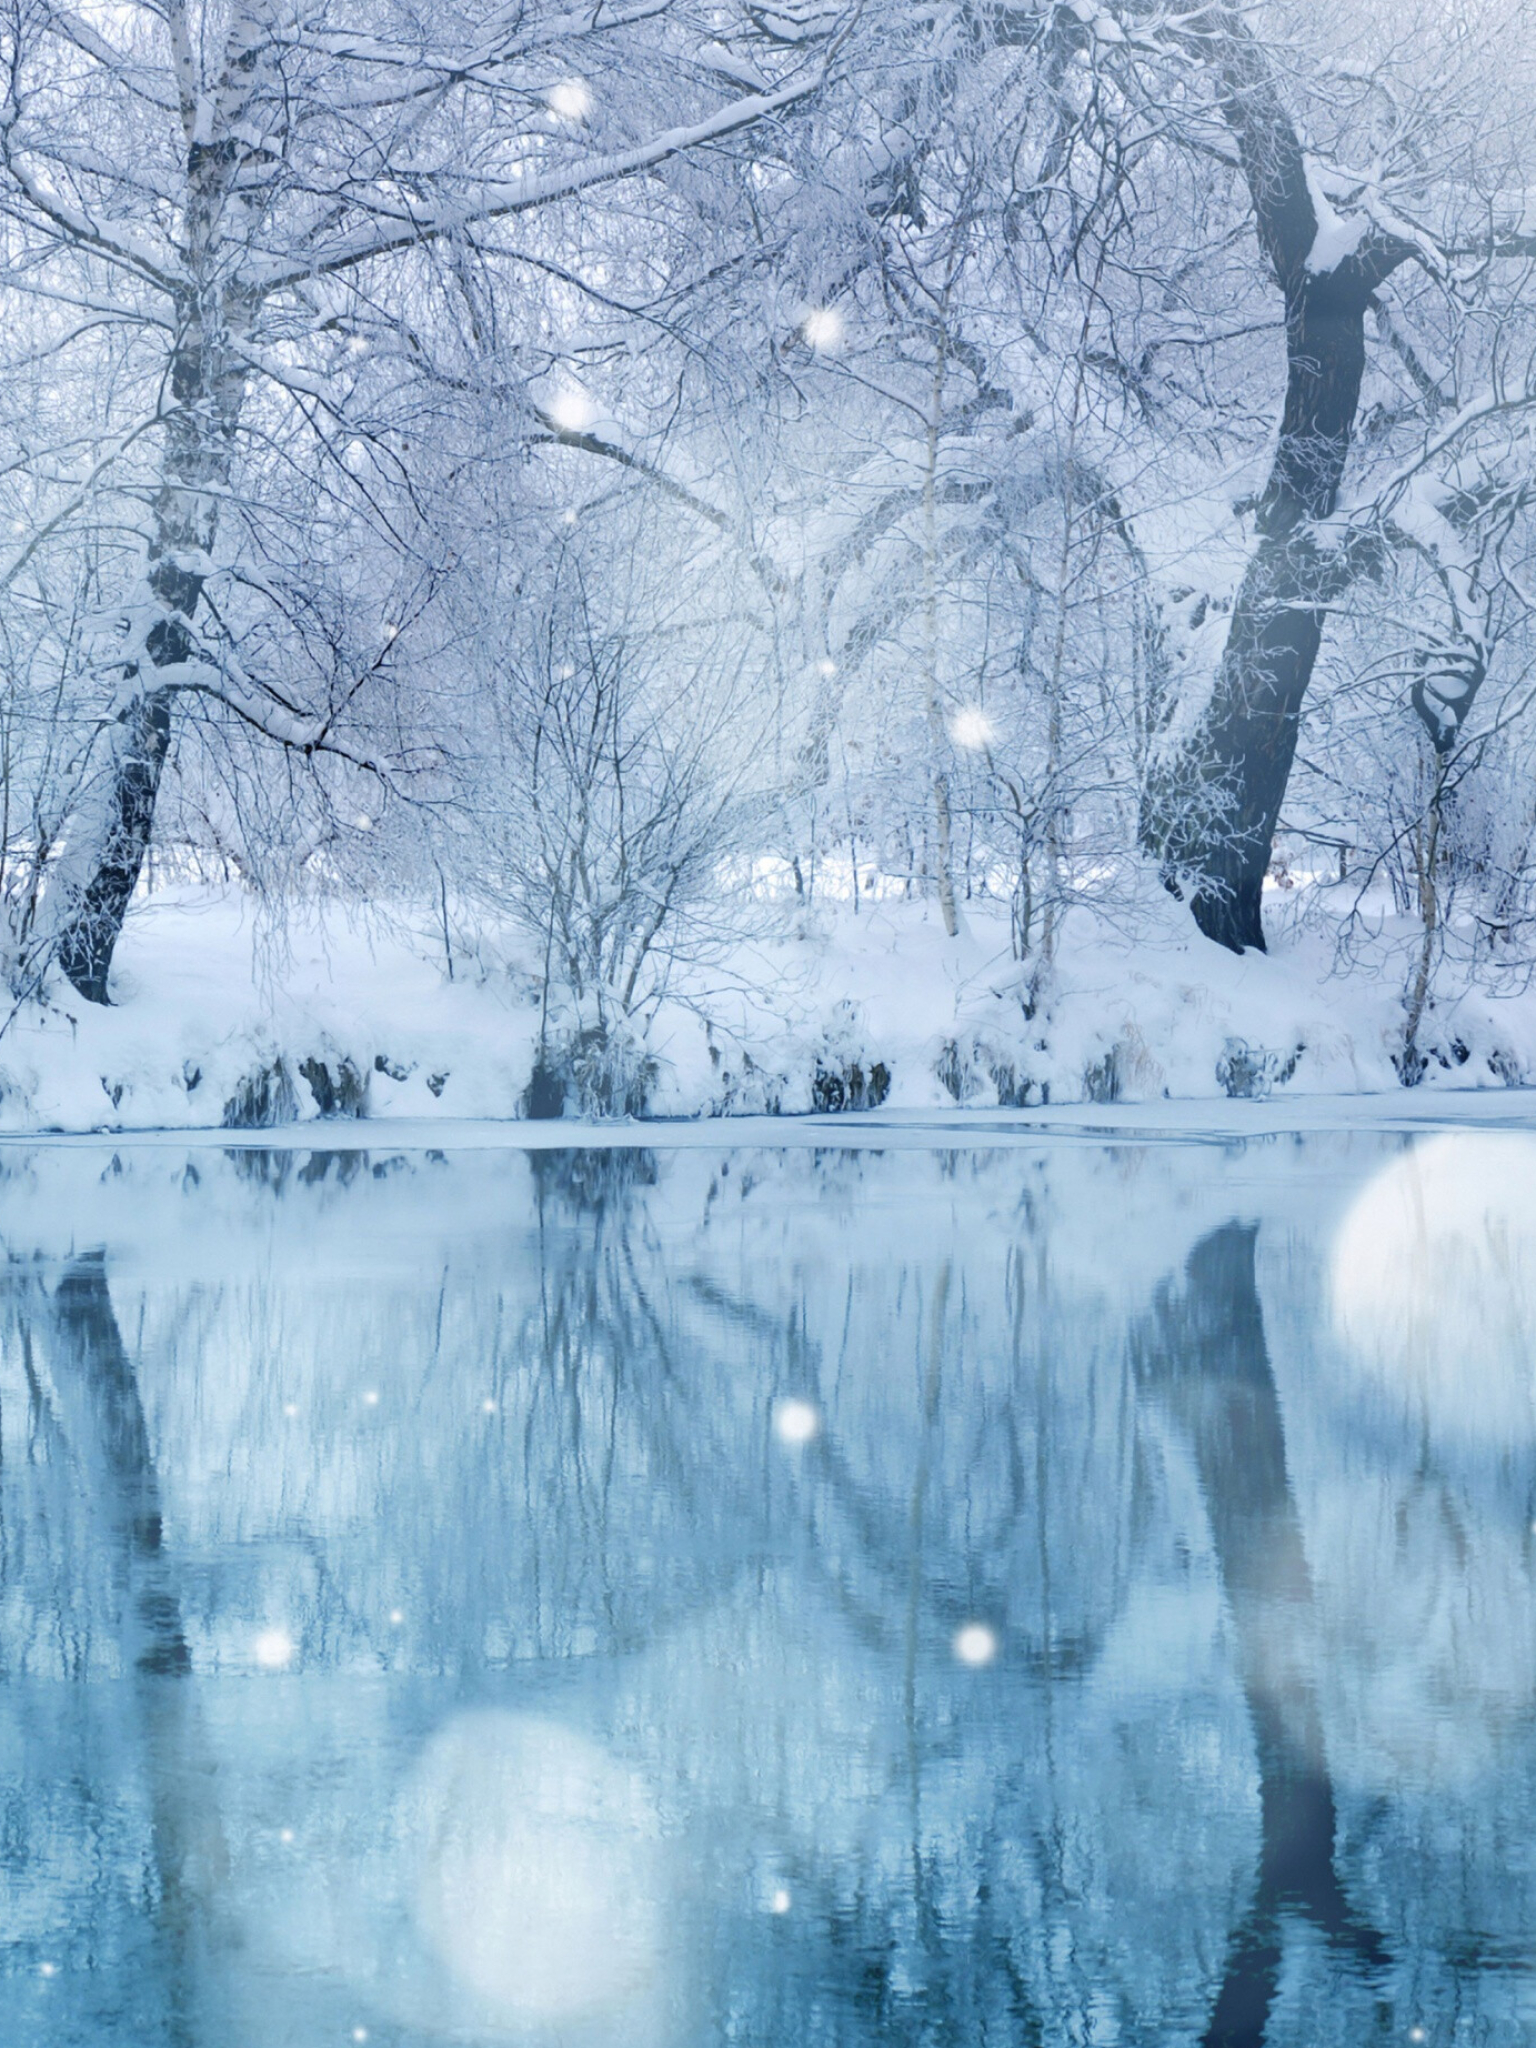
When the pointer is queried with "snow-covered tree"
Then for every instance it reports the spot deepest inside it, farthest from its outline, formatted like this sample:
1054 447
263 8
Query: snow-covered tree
248 190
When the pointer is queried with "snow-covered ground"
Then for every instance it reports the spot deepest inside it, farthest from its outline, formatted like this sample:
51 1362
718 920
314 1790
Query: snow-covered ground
217 1027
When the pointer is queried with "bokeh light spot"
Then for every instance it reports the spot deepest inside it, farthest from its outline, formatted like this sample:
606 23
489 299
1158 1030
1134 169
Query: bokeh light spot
971 729
571 99
975 1644
274 1649
823 329
795 1422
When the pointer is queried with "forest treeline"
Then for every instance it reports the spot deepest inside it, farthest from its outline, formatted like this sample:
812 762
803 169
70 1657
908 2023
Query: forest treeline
594 471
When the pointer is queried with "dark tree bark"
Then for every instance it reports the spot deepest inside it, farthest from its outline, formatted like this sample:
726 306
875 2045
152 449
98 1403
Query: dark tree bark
1211 810
208 386
1203 1352
89 938
208 378
204 382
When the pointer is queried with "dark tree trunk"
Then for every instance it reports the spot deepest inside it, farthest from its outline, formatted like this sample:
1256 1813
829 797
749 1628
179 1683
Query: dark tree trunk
1203 1352
185 516
1218 812
207 385
1212 810
89 938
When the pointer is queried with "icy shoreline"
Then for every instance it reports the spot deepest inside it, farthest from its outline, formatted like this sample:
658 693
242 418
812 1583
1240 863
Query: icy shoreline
1213 1122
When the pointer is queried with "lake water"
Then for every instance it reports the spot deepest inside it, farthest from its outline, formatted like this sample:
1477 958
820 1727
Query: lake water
1066 1592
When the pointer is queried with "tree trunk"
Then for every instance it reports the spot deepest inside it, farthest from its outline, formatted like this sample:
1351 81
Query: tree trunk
1410 1061
938 739
207 386
95 917
1212 805
1212 813
118 837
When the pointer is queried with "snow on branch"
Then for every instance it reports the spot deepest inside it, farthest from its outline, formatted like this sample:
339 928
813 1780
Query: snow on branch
498 201
265 711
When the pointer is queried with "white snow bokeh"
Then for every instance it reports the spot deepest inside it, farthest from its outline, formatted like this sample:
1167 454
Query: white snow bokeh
572 409
539 1881
795 1422
824 328
972 729
1434 1285
571 99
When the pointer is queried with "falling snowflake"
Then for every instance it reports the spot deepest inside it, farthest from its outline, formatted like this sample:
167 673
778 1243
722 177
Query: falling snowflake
972 729
571 99
823 328
273 1649
572 410
975 1644
795 1422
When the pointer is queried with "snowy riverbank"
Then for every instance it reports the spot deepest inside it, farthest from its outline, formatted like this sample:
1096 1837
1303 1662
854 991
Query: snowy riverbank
216 1027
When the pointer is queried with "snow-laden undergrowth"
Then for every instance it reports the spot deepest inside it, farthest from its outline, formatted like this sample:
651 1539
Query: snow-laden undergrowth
213 1026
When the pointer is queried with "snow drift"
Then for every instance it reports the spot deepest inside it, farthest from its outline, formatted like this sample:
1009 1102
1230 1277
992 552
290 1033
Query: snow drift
215 1025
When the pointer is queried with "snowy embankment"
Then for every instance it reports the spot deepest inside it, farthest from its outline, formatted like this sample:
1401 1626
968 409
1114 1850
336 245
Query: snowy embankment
215 1027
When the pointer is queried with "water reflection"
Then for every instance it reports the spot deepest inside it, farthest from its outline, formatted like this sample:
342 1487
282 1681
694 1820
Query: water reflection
837 1598
1203 1353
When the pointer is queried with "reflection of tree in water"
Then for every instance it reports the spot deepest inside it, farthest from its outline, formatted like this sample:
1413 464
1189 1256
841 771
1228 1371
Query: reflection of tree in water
766 1630
128 1492
593 1178
974 1462
89 1545
629 1498
629 1431
1202 1353
953 1456
963 1469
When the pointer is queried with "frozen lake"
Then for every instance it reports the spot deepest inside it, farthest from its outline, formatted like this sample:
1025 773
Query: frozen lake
1065 1589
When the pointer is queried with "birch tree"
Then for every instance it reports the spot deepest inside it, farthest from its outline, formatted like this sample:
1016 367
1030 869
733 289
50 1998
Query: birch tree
241 184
